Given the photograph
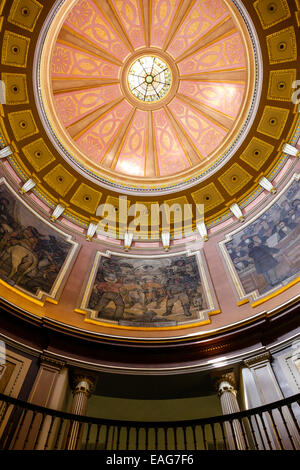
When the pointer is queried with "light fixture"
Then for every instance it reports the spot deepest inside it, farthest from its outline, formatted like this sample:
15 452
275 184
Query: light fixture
266 184
236 210
290 150
201 227
91 231
58 211
27 186
5 152
128 239
165 238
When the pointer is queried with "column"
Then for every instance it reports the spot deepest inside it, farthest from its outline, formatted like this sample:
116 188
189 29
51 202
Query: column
82 386
281 429
227 394
48 391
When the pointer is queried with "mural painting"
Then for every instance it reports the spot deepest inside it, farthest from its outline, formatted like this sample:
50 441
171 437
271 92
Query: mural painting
265 254
164 290
32 254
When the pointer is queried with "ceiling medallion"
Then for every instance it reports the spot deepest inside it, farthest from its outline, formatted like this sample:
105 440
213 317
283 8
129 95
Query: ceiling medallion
153 108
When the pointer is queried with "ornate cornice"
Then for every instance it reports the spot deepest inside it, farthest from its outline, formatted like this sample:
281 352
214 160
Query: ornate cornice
265 357
52 362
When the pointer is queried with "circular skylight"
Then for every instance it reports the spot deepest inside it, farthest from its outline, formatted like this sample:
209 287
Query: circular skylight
149 78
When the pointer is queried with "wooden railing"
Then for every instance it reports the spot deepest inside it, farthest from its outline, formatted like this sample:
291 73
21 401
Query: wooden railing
25 426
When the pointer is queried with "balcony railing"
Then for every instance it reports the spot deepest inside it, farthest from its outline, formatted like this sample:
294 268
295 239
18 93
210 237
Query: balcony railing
25 426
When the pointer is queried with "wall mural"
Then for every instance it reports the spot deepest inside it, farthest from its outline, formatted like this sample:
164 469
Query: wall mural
265 254
33 255
139 291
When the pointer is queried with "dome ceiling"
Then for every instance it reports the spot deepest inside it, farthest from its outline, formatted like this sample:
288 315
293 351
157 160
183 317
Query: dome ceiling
75 134
147 95
242 92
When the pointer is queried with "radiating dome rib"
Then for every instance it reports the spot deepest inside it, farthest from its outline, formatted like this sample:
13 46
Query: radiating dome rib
69 85
200 25
200 43
106 7
182 11
82 125
129 15
87 21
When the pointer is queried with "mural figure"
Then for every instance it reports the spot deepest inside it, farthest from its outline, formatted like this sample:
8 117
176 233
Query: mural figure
265 253
147 290
153 291
111 294
31 253
176 293
263 259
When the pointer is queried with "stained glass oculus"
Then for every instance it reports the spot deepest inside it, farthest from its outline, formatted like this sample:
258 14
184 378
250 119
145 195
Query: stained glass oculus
149 78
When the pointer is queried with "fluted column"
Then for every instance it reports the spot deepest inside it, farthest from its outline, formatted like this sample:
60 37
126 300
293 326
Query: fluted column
82 389
227 394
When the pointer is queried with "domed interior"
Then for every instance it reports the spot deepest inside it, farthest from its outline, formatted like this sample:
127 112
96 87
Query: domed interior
176 124
149 229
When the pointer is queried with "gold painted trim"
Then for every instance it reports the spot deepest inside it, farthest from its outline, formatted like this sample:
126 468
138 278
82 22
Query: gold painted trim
192 155
274 294
234 75
22 294
51 301
218 118
141 328
111 156
106 6
80 127
150 158
146 9
243 302
76 84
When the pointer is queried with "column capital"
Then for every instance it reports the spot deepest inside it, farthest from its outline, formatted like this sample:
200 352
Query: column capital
259 359
226 383
81 382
